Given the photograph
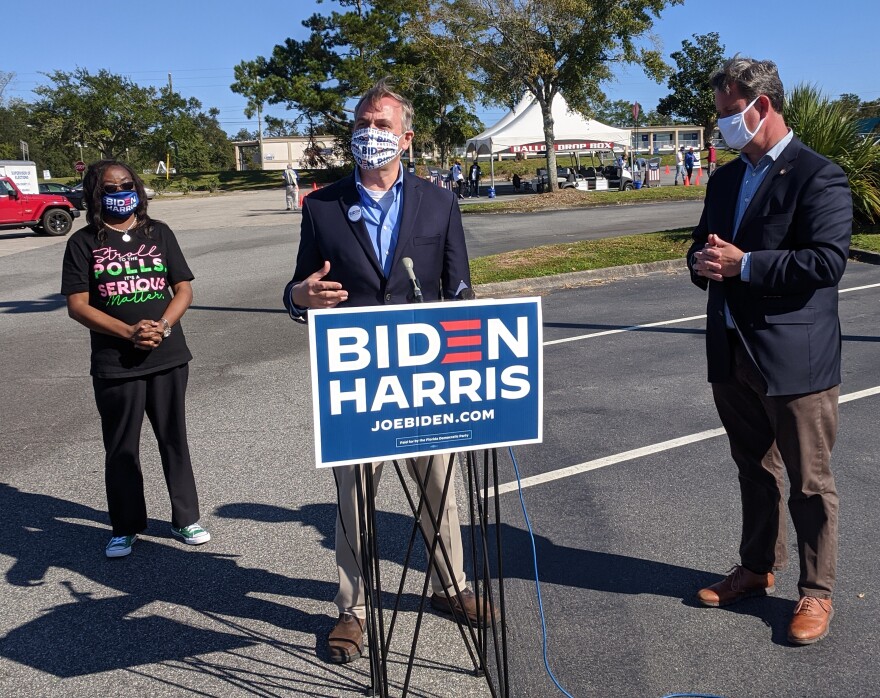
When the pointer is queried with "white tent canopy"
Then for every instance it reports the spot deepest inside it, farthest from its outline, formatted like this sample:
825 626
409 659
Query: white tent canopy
522 129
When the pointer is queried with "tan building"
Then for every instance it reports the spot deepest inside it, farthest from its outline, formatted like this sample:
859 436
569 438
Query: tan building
657 140
278 153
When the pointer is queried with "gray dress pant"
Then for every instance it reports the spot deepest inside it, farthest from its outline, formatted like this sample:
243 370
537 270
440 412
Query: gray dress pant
350 597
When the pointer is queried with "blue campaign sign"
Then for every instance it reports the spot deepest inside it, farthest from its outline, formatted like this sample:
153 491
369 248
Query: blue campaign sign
403 381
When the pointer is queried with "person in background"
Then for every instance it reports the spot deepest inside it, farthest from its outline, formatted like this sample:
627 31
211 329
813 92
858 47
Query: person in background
474 175
679 164
713 159
291 187
689 160
642 170
771 247
457 178
126 280
517 182
333 270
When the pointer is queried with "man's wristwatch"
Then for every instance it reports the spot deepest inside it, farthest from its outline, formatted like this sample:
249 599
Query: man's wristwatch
167 331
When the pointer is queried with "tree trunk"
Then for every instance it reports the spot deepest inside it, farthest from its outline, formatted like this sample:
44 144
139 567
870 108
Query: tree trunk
549 140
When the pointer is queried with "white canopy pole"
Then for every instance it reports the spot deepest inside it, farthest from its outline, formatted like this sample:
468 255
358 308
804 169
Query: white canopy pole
491 164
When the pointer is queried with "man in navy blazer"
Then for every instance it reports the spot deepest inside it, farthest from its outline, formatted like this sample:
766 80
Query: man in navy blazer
771 247
355 233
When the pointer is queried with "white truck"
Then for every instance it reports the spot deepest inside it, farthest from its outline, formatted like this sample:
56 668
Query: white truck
23 173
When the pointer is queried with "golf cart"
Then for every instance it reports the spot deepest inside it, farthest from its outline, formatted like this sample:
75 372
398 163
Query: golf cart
602 173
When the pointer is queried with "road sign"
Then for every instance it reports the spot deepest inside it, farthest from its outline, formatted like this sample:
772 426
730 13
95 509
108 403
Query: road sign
79 166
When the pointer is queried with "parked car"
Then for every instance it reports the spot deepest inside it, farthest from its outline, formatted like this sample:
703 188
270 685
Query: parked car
72 195
45 214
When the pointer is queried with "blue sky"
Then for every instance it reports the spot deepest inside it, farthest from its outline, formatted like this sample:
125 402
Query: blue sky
833 45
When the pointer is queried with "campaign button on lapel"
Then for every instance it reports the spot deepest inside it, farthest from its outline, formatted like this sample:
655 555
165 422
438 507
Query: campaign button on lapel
354 213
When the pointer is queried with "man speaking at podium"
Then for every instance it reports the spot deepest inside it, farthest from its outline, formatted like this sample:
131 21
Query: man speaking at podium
355 237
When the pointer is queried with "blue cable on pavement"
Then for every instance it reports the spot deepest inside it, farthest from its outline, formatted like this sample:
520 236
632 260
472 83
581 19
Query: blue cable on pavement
522 502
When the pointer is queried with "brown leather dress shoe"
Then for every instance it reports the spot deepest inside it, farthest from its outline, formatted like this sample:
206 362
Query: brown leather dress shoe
466 600
346 641
740 583
810 620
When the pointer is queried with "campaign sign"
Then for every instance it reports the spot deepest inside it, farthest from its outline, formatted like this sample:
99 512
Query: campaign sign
401 381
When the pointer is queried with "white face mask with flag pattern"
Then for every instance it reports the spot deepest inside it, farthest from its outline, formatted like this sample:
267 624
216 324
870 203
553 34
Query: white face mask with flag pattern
373 148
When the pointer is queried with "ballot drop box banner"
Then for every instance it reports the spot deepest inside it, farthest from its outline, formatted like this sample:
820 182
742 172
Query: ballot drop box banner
403 381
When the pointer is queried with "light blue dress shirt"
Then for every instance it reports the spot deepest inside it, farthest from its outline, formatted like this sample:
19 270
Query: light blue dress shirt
382 222
753 176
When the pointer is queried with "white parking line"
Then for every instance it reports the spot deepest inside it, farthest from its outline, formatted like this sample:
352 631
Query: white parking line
634 328
639 452
623 329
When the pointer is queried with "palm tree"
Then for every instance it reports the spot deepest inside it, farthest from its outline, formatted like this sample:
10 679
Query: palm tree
831 129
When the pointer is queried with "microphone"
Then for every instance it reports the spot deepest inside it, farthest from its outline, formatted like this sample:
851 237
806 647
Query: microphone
417 289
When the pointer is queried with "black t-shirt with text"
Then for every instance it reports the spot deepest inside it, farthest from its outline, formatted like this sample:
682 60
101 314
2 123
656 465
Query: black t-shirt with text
130 281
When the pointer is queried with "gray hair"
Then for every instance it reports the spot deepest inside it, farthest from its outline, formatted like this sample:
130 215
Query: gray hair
752 78
383 89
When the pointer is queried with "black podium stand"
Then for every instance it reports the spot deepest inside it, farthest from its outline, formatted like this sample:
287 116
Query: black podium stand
485 640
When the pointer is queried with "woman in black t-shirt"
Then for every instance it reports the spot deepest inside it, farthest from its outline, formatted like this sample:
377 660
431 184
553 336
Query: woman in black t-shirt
126 279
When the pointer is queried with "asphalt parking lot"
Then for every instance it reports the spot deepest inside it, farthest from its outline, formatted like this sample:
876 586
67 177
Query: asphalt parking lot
633 500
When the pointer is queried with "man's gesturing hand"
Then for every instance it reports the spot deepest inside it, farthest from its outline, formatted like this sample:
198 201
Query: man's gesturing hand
717 259
314 292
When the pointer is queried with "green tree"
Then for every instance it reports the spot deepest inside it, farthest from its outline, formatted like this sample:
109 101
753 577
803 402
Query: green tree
349 50
548 47
245 135
691 98
113 117
619 113
849 102
868 110
830 128
107 111
5 79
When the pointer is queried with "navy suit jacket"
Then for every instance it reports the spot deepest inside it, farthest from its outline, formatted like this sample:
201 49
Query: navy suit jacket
797 228
431 234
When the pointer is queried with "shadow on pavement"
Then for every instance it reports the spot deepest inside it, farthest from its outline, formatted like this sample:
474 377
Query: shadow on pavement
46 304
90 635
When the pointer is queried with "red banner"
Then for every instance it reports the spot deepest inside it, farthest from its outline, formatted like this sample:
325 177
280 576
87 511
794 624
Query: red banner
562 146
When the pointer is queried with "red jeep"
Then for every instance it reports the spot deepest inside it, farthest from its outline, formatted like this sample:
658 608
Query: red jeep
44 213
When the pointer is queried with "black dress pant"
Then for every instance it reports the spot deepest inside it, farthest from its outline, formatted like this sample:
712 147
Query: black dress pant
122 404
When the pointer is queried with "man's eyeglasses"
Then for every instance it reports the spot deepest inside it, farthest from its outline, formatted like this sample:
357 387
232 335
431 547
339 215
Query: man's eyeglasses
113 188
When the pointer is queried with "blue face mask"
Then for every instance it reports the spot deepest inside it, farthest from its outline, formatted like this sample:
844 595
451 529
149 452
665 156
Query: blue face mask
121 204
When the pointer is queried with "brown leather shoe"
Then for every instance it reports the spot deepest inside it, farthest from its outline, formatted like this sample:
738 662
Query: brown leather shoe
467 600
346 641
810 620
740 583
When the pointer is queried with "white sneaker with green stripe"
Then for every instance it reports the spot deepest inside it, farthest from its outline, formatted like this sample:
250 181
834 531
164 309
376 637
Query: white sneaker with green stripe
120 546
193 534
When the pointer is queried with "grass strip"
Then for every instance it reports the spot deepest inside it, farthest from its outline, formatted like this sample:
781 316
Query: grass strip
573 198
581 256
869 242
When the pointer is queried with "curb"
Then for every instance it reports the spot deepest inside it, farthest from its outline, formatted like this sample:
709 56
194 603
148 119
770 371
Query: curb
864 256
576 279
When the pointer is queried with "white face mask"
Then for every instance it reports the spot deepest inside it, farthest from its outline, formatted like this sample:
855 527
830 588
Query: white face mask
734 130
372 147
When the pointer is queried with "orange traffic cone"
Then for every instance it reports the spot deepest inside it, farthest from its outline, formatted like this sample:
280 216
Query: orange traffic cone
687 182
667 169
697 181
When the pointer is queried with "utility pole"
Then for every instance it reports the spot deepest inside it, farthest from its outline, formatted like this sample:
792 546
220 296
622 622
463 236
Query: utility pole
260 131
